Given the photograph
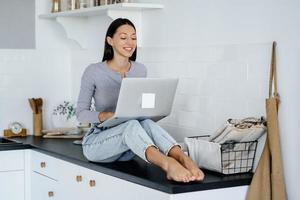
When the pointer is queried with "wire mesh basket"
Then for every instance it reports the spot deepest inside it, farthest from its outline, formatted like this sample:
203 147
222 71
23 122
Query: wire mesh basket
238 157
230 157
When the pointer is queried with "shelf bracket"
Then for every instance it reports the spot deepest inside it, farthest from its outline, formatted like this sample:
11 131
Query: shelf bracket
75 29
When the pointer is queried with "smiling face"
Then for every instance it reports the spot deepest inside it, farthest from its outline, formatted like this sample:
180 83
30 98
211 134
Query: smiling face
123 41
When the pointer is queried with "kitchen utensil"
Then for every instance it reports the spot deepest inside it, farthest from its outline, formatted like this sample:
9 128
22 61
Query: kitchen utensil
58 130
64 136
39 104
36 105
32 105
37 124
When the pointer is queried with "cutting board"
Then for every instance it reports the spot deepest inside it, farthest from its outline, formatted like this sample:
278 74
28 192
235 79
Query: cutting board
64 136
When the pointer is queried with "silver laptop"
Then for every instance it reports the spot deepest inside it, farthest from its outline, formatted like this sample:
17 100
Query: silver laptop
143 98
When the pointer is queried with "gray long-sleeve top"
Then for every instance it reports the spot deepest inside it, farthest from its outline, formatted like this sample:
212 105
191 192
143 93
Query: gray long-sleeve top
103 84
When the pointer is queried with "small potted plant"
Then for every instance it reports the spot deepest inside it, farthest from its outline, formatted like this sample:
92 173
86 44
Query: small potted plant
64 115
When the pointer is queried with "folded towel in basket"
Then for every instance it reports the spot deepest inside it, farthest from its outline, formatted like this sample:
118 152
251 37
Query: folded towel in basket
206 154
245 130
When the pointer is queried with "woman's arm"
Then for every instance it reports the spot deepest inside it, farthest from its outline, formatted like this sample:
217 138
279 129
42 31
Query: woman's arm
87 90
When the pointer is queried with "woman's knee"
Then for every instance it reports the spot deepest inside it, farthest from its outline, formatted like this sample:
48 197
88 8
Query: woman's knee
133 122
131 127
147 124
148 121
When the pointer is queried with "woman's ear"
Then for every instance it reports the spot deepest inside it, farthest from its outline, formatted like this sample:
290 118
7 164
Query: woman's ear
109 41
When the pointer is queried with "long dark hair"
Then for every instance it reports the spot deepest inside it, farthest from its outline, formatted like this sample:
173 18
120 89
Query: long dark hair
108 50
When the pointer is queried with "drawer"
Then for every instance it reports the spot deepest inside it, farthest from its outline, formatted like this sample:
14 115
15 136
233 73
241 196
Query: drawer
46 165
11 160
43 187
101 186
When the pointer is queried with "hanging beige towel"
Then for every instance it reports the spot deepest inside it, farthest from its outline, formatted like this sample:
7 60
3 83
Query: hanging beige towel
268 180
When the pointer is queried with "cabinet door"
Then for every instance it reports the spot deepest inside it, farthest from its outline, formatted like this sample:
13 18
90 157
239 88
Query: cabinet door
73 183
11 160
46 165
43 187
102 186
12 185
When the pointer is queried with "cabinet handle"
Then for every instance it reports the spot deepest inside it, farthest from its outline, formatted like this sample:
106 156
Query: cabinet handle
92 183
79 178
50 193
43 164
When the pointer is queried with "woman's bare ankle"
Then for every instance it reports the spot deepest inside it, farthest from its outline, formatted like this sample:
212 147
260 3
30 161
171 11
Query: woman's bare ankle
154 156
177 153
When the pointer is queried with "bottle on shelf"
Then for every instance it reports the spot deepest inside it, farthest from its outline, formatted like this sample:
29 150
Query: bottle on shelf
73 4
56 6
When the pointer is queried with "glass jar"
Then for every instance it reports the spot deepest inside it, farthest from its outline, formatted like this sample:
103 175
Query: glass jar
83 4
56 6
73 4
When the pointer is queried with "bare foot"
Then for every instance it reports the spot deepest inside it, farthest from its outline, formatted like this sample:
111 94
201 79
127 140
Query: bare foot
175 171
188 163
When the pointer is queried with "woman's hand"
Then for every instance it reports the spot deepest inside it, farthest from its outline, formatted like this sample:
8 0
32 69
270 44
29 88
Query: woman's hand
105 115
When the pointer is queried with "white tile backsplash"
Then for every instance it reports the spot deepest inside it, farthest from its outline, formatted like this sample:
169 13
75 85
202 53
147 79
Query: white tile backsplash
216 82
32 73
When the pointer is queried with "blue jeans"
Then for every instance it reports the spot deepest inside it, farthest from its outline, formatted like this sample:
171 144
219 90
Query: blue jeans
123 142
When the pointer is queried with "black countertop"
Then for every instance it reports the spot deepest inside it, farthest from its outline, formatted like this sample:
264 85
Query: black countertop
136 170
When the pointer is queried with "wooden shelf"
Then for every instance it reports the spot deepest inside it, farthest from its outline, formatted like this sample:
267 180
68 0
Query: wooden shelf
102 10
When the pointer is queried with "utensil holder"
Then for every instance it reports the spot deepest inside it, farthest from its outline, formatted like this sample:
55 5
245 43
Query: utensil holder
37 124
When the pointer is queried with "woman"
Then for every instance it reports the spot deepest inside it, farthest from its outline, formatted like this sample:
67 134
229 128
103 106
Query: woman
146 139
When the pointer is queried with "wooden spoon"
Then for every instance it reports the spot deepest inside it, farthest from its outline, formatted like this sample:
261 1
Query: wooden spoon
32 105
39 103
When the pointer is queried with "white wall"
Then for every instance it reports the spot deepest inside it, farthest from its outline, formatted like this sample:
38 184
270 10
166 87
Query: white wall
31 73
216 82
41 72
175 39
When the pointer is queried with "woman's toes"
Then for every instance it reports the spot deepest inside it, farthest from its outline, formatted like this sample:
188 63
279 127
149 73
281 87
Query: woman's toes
189 164
200 176
177 172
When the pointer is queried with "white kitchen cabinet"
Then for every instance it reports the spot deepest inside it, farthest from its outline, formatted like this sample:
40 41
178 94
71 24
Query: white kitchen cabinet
12 175
44 188
70 181
52 178
46 165
83 183
108 187
46 173
232 193
12 185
